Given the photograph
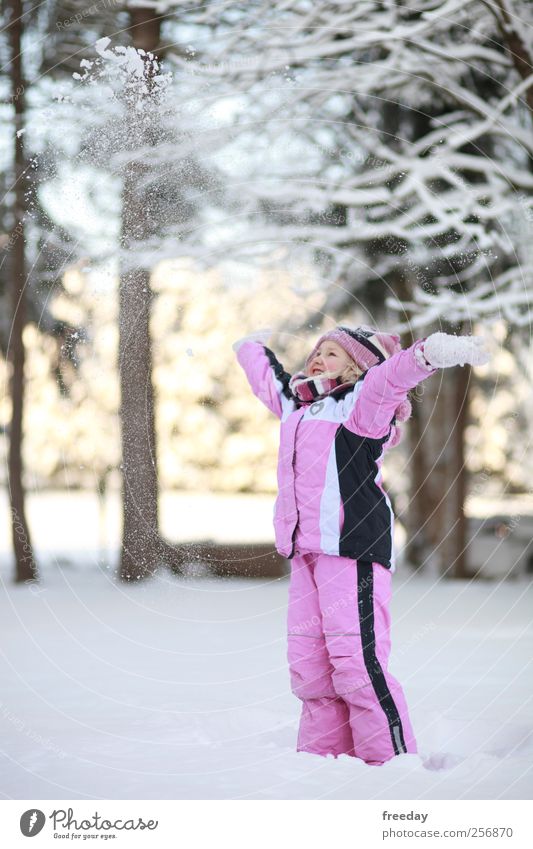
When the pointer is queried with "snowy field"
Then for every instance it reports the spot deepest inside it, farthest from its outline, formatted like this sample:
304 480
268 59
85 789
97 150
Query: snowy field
178 688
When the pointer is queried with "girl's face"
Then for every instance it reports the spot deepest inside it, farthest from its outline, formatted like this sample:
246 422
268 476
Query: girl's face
330 358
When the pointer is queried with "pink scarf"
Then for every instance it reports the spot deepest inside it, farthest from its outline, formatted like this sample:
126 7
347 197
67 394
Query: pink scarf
309 389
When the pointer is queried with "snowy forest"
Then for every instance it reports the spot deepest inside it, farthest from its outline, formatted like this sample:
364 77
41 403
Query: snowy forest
180 175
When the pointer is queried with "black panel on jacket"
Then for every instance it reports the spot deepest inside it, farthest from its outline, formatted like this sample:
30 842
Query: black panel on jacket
280 373
366 532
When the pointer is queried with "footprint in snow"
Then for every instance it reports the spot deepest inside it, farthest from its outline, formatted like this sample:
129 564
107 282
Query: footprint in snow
441 761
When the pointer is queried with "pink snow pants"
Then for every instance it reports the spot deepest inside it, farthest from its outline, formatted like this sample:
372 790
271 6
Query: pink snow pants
338 650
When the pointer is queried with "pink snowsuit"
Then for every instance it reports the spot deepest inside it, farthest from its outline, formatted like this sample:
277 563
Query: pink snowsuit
335 523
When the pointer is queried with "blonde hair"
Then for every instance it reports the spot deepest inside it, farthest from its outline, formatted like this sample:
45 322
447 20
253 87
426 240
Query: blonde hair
351 373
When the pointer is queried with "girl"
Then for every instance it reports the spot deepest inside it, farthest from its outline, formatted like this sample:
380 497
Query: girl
334 521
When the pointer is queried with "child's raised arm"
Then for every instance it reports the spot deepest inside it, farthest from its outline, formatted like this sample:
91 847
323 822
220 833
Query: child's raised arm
267 378
385 386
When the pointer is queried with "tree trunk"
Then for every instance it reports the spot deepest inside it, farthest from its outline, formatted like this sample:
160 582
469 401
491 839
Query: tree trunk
419 518
455 543
25 566
516 46
142 546
435 521
418 545
426 521
140 541
437 524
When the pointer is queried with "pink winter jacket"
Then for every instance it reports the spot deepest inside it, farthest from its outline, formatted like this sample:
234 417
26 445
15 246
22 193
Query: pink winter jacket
330 493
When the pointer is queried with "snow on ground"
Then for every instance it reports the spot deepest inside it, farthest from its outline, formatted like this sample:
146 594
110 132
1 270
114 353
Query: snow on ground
178 688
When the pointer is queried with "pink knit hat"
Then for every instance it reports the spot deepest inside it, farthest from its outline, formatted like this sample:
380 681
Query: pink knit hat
366 346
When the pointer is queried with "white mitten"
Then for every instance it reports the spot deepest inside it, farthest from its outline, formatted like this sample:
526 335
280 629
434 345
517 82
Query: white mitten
261 336
442 350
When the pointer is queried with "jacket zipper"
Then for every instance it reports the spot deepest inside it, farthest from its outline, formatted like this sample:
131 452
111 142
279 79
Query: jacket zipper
293 543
